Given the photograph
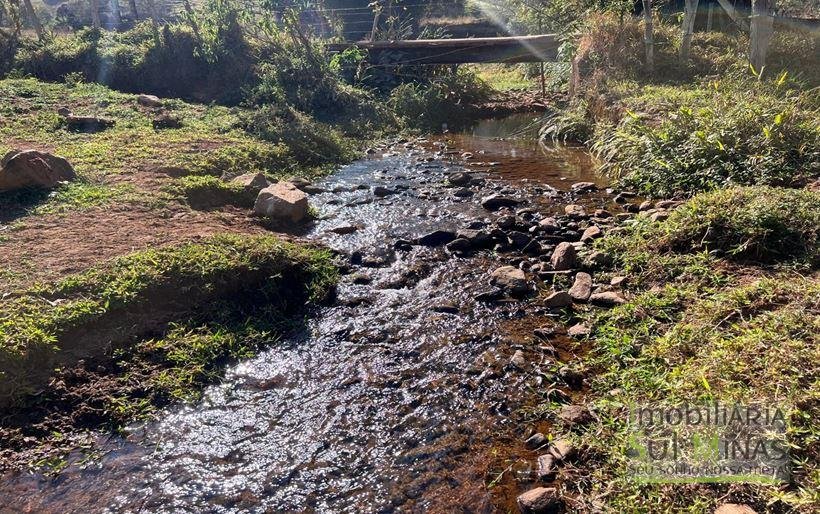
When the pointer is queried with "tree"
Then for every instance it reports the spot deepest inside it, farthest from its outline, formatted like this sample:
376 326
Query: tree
95 14
691 10
33 19
133 5
115 11
762 28
648 36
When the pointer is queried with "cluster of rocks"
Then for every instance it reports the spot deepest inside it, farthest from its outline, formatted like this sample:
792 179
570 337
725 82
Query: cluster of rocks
22 169
283 202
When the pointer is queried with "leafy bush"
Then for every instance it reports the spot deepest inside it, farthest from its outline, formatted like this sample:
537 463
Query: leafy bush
309 142
446 102
767 137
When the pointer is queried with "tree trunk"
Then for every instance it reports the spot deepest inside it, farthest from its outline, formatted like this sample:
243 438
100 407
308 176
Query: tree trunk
688 27
649 36
33 19
95 14
134 13
115 11
14 13
152 12
761 33
709 13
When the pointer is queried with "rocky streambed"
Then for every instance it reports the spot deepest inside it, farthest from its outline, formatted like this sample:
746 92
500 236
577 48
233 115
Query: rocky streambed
418 390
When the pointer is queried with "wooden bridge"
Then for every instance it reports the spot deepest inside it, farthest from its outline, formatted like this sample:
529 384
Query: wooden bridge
457 51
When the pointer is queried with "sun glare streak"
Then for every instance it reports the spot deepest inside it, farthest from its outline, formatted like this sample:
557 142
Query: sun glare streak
492 12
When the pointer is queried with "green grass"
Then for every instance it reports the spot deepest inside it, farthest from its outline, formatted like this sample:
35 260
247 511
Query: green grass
705 326
52 324
745 224
206 191
213 140
504 77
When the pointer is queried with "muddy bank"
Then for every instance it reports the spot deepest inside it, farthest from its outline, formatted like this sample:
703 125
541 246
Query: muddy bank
407 393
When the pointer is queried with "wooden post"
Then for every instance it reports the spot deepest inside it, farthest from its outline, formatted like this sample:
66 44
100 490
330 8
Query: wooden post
691 10
375 22
32 17
649 36
762 28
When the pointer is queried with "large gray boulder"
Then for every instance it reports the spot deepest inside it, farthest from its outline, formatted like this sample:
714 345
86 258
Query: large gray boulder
33 169
282 201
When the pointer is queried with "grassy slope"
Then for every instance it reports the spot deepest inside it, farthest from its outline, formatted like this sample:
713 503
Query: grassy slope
708 322
209 143
202 300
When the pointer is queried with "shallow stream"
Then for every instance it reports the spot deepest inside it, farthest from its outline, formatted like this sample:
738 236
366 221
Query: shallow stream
395 398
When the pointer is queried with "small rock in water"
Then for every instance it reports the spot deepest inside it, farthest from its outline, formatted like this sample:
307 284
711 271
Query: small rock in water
546 469
382 191
558 300
495 202
462 192
403 245
659 216
541 500
575 211
563 258
583 187
518 239
582 287
459 179
447 307
518 360
505 222
645 205
535 441
549 225
459 245
511 279
476 238
344 229
437 238
361 278
607 299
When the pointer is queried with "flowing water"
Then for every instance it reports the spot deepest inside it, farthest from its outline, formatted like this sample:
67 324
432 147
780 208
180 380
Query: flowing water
393 398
